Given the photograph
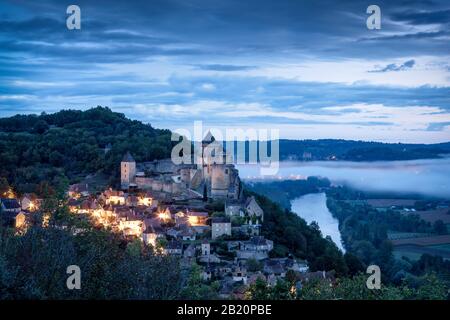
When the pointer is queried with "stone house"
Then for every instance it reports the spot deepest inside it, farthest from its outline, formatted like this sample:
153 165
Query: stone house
174 247
220 226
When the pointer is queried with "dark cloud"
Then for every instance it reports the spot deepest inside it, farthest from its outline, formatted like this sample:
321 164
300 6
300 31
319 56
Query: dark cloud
423 17
394 67
223 67
44 66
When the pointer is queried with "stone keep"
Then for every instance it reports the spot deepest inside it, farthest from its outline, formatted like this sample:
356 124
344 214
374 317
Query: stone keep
127 171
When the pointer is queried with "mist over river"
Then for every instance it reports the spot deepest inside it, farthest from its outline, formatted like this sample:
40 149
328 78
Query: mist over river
429 177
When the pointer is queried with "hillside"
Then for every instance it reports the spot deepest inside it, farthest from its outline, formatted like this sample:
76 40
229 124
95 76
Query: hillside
358 150
350 150
70 144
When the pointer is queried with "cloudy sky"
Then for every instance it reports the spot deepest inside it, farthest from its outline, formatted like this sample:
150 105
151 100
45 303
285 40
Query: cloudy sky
311 69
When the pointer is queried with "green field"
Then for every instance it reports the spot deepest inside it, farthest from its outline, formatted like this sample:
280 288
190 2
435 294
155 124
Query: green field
445 247
414 252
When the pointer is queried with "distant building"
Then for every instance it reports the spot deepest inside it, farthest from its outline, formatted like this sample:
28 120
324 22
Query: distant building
127 171
220 227
234 209
11 212
206 248
174 247
254 210
256 248
9 206
187 234
115 197
29 202
240 274
78 190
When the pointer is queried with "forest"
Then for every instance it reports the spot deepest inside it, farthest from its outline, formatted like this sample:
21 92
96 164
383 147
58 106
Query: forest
70 144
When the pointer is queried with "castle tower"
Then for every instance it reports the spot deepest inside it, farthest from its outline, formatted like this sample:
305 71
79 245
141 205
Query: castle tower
201 161
220 180
127 171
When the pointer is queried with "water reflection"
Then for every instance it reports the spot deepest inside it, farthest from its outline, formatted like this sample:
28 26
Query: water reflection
313 207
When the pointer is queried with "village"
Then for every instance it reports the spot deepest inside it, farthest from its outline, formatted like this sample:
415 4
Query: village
164 208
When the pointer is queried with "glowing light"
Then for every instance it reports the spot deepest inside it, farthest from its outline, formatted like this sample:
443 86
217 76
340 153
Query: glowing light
45 220
9 194
163 216
193 220
145 201
180 214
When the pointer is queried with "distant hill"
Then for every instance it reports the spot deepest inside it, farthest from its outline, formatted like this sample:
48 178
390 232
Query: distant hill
70 143
358 150
349 150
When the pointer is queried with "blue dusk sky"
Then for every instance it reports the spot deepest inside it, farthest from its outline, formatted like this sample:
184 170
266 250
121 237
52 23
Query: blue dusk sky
311 69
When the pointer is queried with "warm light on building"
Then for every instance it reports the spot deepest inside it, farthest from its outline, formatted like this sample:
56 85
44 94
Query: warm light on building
193 220
131 227
45 220
116 200
163 216
20 221
180 214
9 194
145 201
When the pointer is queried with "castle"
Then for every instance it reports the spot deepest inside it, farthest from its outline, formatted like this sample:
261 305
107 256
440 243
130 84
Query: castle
207 177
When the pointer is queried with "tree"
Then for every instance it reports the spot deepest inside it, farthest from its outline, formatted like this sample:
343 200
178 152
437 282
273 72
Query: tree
254 265
440 227
432 289
40 126
259 290
4 186
355 265
196 289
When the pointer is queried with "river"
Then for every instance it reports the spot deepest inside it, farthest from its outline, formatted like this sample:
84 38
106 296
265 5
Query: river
428 177
313 207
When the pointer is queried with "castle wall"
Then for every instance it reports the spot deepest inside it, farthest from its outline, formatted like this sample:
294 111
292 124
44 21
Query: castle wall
144 182
157 185
220 180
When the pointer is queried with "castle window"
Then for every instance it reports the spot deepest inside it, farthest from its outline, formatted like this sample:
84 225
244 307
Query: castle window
226 171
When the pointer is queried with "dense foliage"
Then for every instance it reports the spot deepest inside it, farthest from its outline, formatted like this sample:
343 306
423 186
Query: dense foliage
33 266
358 150
282 192
71 143
347 288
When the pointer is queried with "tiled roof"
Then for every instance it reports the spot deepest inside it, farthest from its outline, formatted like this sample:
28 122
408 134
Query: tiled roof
220 220
10 203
